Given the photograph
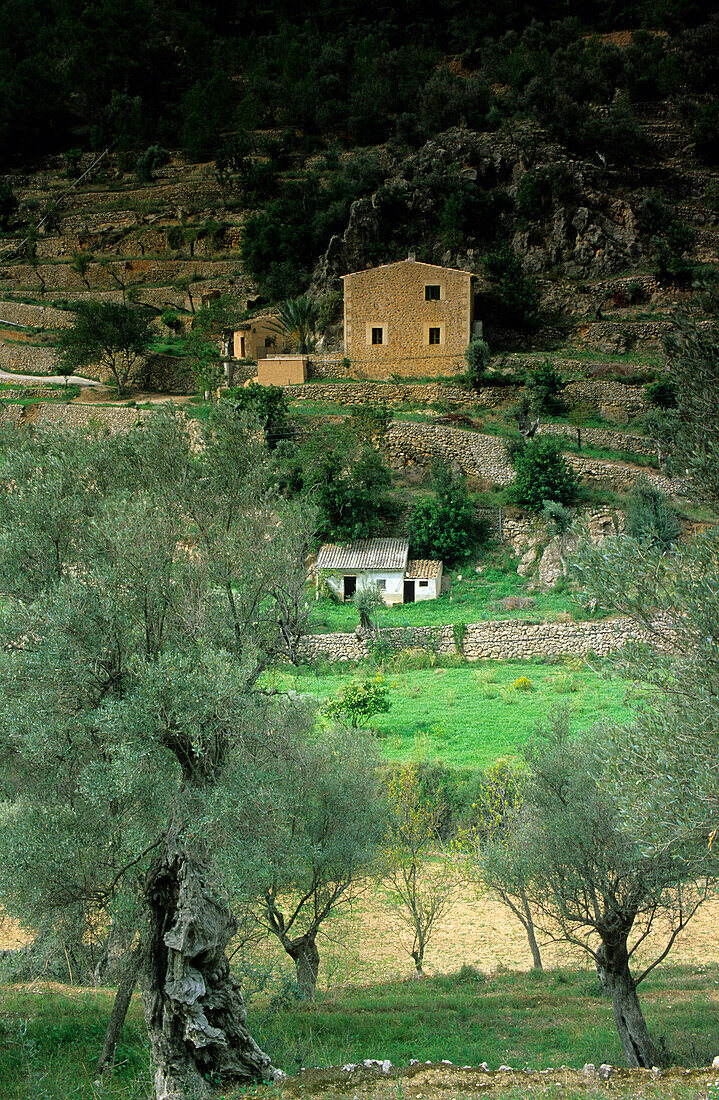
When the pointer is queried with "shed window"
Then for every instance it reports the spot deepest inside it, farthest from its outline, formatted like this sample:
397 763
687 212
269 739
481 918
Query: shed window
377 336
424 584
381 584
431 292
434 336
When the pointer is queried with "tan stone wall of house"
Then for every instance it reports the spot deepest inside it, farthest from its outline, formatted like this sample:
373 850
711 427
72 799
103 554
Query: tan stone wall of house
392 298
251 342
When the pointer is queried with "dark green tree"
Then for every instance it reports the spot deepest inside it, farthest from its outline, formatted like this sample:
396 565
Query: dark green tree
542 474
477 356
446 526
108 335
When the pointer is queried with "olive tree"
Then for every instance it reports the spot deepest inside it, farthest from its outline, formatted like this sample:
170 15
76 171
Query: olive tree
589 880
419 885
665 761
135 735
318 850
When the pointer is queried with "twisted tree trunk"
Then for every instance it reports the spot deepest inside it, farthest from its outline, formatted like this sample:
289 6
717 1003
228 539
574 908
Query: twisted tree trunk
616 978
196 1017
303 951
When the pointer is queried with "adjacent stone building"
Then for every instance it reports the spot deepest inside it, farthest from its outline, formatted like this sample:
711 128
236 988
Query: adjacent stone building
408 318
256 339
381 563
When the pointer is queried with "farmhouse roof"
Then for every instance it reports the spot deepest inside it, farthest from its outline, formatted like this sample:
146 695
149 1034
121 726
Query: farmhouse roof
364 554
419 263
422 569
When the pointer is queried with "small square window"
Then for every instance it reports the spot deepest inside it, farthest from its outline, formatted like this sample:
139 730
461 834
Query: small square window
431 292
382 584
377 336
434 336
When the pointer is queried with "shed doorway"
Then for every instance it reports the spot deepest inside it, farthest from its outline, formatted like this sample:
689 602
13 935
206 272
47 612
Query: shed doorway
350 587
409 591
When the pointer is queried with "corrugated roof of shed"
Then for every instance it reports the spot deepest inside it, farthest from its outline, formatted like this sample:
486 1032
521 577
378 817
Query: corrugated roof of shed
364 554
422 568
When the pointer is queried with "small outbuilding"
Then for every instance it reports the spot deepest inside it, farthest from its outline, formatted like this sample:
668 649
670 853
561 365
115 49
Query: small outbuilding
380 563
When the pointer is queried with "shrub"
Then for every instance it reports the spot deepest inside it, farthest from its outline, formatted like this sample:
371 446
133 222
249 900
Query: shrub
8 203
542 474
358 699
705 133
477 356
662 392
545 386
651 518
445 527
523 684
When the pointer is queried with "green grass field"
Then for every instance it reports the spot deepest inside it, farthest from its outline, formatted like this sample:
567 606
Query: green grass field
50 1040
469 715
473 599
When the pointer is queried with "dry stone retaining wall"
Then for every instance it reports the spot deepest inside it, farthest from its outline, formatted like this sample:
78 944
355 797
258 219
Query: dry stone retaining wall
503 640
603 437
36 316
484 457
602 394
28 359
73 417
480 456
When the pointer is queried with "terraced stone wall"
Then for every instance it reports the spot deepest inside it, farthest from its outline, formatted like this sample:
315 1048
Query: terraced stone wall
503 640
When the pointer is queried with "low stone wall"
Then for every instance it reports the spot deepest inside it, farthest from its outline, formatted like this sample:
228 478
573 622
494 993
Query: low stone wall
375 393
479 456
36 316
613 396
624 478
499 640
135 272
603 437
483 457
28 359
73 417
598 395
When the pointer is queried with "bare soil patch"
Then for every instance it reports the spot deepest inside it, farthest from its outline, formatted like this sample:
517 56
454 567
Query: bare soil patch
371 945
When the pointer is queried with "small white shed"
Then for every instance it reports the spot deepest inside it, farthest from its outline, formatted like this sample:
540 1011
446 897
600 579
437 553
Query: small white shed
382 563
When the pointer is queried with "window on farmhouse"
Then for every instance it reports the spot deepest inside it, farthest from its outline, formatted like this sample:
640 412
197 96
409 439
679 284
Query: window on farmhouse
431 292
377 336
382 584
434 336
424 584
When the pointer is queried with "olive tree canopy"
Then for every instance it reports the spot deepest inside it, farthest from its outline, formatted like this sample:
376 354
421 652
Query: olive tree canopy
158 579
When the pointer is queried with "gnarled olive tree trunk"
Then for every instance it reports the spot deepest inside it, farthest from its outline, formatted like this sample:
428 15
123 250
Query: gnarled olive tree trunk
196 1017
303 952
616 978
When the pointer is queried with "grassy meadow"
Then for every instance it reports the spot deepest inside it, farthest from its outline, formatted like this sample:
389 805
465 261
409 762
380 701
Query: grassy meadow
50 1037
473 597
468 715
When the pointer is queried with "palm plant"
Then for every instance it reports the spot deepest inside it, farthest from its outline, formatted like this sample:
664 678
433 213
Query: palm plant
296 319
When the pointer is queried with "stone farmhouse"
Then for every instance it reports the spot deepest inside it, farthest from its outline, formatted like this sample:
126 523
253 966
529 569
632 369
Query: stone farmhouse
382 563
255 339
409 318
